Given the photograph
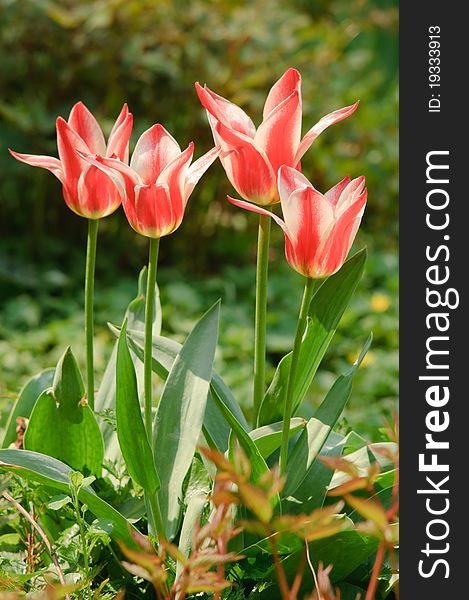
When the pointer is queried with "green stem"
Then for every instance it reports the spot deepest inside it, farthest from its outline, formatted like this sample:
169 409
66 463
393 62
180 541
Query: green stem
148 343
93 225
155 519
81 527
288 406
261 313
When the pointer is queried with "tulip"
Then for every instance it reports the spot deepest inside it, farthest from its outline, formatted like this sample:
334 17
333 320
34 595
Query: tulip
87 191
250 157
157 184
155 189
319 229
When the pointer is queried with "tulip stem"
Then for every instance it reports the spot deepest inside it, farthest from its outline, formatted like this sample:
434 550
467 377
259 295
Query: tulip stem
261 313
93 225
148 344
288 406
155 520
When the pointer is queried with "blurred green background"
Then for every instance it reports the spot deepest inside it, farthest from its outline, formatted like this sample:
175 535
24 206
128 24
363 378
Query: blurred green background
149 53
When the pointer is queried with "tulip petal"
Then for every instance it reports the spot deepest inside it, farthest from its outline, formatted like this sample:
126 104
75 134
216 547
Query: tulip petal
298 208
116 169
174 176
113 167
155 149
155 216
289 180
98 194
350 194
340 239
334 193
288 83
83 122
120 119
321 125
69 145
213 126
118 143
247 167
231 115
46 162
308 215
198 168
260 211
279 134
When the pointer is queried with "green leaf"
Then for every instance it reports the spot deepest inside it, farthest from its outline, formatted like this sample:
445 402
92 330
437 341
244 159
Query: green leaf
76 479
133 509
101 527
199 480
10 542
68 388
106 395
363 458
258 464
346 551
53 473
318 428
312 492
59 501
197 492
191 521
62 425
180 415
164 353
269 437
385 479
131 433
327 307
66 431
88 480
25 403
369 508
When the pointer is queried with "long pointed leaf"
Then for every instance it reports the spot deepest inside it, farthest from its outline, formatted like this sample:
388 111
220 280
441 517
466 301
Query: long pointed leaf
317 431
131 433
180 415
25 403
269 437
327 307
258 464
106 395
164 354
198 489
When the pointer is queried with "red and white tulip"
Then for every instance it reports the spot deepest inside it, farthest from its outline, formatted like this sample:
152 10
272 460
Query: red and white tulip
87 190
319 228
156 186
251 157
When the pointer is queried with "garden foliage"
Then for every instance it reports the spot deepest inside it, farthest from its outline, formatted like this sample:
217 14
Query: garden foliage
144 469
